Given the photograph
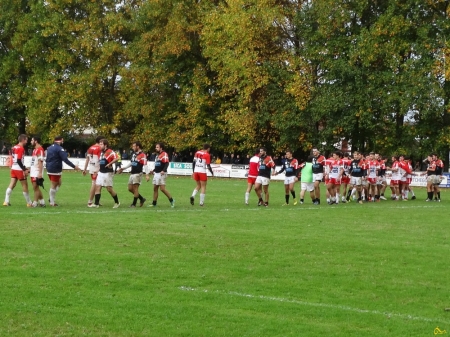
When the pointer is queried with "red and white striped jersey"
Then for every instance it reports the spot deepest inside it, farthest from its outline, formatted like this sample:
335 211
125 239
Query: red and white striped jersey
201 160
38 155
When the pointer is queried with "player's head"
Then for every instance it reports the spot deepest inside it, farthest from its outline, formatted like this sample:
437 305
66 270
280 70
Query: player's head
104 143
206 147
59 139
262 151
159 147
98 139
35 140
288 154
136 146
356 155
23 139
315 152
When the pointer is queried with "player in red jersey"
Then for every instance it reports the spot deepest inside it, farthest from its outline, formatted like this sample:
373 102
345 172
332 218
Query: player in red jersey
92 159
160 175
36 171
266 164
18 171
202 162
372 167
138 164
395 178
345 181
334 172
105 175
253 168
409 179
404 170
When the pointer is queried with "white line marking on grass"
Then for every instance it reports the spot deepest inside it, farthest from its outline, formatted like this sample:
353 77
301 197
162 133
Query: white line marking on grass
320 305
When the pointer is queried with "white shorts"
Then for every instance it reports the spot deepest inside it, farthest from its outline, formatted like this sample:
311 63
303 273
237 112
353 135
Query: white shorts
135 179
317 176
104 179
381 180
262 180
356 181
289 180
434 179
307 187
159 179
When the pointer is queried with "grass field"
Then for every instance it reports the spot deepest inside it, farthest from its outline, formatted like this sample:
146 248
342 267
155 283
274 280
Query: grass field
226 269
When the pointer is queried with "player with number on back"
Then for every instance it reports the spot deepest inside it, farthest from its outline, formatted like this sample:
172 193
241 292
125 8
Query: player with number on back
202 162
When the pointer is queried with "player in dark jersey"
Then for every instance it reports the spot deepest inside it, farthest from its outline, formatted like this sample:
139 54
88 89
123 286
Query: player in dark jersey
105 175
357 173
266 165
318 163
138 166
160 175
291 167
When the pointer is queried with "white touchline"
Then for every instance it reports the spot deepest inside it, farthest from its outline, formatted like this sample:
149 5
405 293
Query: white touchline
322 305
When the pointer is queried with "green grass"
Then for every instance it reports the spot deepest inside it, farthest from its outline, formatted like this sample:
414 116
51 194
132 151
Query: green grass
222 270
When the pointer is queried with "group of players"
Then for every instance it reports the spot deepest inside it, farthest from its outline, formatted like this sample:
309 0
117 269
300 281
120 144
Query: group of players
99 164
362 178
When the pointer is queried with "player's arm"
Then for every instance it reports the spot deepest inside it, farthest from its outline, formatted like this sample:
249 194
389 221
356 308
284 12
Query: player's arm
210 169
120 170
40 167
280 171
165 167
193 164
114 159
64 158
86 163
21 165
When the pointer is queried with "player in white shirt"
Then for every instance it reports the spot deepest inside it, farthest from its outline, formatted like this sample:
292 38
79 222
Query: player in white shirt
36 171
